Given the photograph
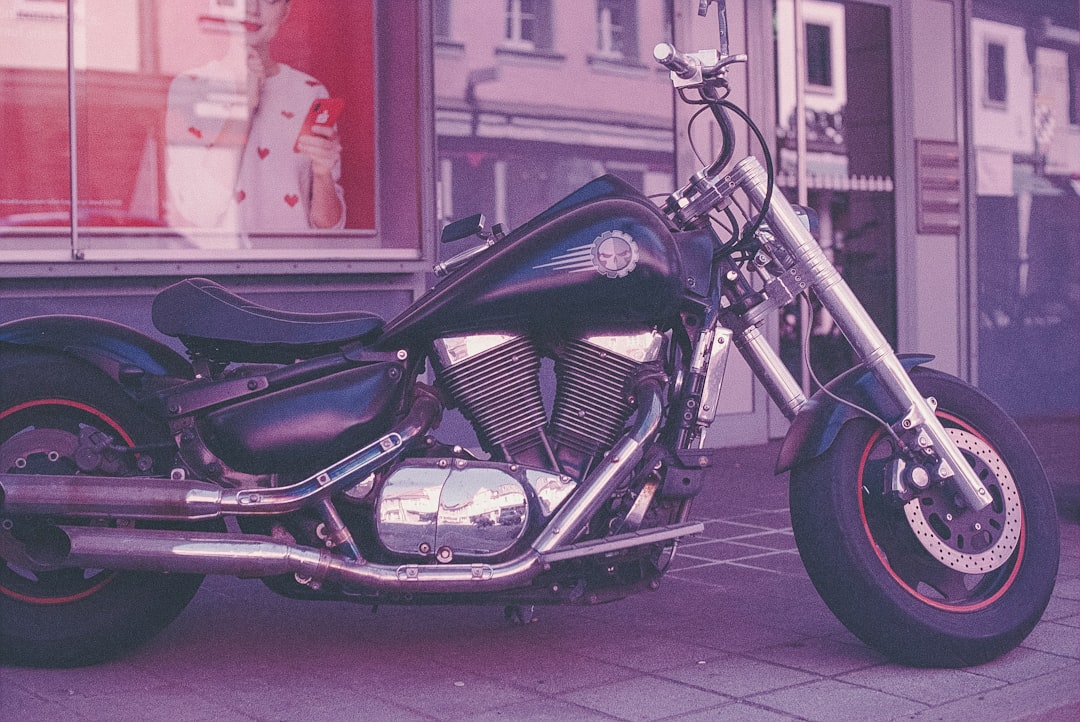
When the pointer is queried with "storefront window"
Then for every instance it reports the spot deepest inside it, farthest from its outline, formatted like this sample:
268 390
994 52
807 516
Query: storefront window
1026 149
200 128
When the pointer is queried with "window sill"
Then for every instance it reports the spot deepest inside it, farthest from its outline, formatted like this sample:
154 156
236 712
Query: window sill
820 90
517 51
448 46
616 64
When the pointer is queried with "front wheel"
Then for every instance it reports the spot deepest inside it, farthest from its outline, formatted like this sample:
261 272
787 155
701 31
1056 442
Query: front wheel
927 582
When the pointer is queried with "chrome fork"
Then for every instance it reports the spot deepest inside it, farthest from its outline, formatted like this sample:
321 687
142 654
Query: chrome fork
918 422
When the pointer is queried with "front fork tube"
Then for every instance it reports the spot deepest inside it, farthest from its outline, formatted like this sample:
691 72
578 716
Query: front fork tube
781 386
918 420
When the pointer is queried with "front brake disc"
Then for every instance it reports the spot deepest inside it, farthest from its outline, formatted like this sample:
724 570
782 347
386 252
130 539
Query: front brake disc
971 542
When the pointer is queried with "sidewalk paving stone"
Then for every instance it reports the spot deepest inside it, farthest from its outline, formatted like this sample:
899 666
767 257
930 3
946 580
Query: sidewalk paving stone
735 632
830 700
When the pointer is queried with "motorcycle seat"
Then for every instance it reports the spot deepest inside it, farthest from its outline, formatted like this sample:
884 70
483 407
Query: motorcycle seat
210 319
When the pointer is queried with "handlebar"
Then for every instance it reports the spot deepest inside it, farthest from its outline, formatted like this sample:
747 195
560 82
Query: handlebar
683 65
704 69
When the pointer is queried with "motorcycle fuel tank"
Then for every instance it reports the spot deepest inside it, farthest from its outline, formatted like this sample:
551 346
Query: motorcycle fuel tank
604 254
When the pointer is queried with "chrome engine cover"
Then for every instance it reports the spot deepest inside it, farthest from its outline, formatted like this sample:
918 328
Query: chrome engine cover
446 508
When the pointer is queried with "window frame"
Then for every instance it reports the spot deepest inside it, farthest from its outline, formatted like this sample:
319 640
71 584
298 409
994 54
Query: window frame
513 40
403 204
608 41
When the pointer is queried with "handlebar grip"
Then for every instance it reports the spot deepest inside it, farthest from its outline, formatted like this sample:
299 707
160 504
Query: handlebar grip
683 65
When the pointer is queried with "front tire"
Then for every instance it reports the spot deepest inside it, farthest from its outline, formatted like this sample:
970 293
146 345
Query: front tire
69 617
927 583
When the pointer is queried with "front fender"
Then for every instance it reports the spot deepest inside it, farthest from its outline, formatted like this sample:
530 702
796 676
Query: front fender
815 428
114 348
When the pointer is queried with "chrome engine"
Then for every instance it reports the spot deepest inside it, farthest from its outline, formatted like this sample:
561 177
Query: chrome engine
458 507
495 381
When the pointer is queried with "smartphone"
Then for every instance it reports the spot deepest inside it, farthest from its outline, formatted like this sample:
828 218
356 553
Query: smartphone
324 111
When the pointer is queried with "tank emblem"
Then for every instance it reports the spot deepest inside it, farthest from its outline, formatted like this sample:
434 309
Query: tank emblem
614 254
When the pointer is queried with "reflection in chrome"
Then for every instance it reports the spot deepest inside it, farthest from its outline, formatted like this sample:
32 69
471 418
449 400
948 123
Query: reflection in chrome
640 347
455 349
361 490
470 508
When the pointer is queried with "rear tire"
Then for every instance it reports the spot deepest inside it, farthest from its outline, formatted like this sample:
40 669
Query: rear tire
70 617
953 594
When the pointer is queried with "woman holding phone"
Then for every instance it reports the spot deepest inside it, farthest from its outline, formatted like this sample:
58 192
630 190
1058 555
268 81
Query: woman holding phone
253 144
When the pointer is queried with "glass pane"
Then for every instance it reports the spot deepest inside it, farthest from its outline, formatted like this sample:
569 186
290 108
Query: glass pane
442 10
996 82
517 133
818 54
849 165
1027 204
35 190
218 125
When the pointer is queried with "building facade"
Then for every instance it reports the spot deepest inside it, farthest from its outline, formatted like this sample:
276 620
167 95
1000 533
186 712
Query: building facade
938 140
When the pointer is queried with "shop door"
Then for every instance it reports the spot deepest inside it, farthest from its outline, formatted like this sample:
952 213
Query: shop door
846 174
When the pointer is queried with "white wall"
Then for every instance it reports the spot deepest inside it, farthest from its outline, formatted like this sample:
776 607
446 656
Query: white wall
931 282
1006 127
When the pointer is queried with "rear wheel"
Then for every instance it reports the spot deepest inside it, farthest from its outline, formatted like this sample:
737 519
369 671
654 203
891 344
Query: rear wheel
51 411
930 582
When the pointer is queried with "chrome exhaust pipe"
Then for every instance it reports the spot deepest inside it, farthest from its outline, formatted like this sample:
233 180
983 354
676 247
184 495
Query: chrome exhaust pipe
184 500
249 555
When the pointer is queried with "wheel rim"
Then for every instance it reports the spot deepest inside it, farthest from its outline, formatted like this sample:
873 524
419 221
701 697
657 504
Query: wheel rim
942 559
41 437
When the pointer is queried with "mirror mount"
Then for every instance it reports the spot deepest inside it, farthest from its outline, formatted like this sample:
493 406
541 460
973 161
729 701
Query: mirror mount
721 13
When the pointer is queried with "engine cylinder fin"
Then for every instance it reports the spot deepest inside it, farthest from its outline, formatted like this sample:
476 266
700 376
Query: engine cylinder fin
590 406
498 391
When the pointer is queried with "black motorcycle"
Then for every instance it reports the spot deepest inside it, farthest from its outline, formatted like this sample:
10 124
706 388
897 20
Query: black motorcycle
302 448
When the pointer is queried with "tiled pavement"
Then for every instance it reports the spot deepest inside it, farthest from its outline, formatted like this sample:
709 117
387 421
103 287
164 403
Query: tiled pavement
736 632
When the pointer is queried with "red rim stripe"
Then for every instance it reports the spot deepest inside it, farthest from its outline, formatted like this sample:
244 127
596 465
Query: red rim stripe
884 562
130 442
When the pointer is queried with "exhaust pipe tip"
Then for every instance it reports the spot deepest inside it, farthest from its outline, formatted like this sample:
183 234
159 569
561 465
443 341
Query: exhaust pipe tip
47 547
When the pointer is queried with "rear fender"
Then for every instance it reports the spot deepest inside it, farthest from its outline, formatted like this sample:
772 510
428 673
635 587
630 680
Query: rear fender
119 351
819 421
